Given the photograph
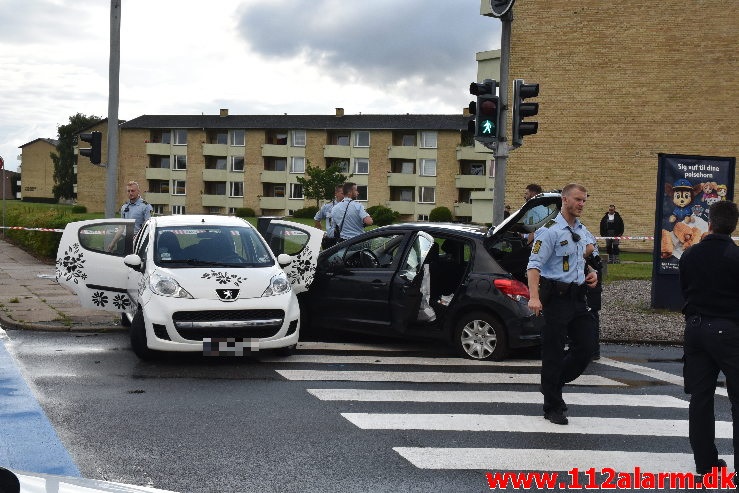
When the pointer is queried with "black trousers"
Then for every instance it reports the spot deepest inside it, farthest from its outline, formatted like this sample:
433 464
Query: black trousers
711 345
568 320
612 247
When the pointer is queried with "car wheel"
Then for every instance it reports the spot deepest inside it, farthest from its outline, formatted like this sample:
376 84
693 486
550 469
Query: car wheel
125 322
138 337
480 336
286 351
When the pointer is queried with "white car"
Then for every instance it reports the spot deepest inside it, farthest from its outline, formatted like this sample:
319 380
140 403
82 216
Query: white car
193 282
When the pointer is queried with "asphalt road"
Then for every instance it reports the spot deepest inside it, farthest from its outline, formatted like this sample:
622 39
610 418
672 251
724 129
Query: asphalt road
198 424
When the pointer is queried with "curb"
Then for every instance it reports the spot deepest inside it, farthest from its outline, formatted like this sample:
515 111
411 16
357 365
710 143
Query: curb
8 323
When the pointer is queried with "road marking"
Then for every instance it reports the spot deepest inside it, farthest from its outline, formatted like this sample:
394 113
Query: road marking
528 424
580 399
499 459
436 377
652 373
348 346
395 360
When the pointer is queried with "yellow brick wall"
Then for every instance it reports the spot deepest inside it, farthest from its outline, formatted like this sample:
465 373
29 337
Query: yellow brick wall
378 193
91 178
132 163
447 167
621 82
37 170
253 167
195 186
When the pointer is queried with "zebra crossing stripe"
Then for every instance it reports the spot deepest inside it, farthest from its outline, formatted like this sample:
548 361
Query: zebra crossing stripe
500 459
579 399
436 377
395 360
528 424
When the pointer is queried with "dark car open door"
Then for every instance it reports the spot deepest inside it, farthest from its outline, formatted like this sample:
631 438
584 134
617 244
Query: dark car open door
406 293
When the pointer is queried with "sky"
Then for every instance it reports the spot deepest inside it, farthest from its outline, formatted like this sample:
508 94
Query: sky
249 56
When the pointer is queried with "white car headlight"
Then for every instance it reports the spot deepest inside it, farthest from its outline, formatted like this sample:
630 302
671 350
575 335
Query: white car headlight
166 286
277 285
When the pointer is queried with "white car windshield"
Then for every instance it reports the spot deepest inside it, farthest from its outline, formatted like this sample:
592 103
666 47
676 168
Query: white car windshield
188 246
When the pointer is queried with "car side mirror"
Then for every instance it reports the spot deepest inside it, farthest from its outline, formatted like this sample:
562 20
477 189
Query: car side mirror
133 261
284 259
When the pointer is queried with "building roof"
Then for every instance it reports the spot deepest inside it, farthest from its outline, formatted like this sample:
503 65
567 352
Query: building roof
52 142
307 122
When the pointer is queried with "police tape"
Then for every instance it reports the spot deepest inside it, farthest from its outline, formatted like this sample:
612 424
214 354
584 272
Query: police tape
52 230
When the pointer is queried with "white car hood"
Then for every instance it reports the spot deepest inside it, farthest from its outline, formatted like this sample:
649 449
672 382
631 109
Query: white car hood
32 482
204 283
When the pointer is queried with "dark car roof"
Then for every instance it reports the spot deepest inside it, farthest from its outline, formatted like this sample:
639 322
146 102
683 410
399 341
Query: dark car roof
470 230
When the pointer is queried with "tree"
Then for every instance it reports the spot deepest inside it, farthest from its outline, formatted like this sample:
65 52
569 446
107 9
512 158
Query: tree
321 183
64 158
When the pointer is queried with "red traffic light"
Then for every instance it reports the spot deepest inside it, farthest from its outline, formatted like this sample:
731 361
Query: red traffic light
489 107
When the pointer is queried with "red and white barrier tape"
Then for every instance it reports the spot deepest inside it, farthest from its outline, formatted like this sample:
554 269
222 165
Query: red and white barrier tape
52 230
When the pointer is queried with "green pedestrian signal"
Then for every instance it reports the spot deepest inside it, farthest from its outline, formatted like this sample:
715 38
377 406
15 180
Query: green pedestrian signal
487 112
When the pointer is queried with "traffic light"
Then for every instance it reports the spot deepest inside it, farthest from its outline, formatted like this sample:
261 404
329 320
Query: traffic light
94 152
487 112
521 110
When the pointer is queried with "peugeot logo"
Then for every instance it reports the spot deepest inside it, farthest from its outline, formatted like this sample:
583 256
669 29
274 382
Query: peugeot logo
227 294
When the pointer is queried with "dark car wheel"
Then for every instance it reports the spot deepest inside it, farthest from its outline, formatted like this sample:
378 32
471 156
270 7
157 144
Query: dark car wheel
125 322
480 336
138 337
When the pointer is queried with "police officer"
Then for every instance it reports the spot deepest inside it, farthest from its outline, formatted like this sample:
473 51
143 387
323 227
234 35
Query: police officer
557 284
711 341
136 208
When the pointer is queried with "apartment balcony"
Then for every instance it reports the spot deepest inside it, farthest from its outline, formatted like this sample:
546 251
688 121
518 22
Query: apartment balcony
337 151
158 149
158 174
274 150
463 209
401 179
215 175
471 153
274 176
158 198
470 181
214 200
272 202
402 206
402 152
215 149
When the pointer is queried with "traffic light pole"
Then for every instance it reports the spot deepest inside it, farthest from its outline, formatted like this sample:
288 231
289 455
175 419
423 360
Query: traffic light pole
114 68
501 153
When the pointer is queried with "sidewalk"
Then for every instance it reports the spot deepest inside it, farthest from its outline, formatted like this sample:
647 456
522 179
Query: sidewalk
30 297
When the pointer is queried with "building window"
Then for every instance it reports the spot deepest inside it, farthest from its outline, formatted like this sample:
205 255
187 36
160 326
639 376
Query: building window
180 137
178 209
408 140
343 164
221 137
277 137
237 163
361 138
297 165
236 189
426 195
296 191
180 162
279 190
477 169
408 167
178 187
361 166
161 136
362 193
215 210
428 167
159 186
428 140
232 211
238 137
215 188
158 208
298 138
406 195
159 162
423 217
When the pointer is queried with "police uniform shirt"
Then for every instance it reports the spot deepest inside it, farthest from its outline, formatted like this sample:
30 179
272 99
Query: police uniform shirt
556 254
353 223
325 213
139 210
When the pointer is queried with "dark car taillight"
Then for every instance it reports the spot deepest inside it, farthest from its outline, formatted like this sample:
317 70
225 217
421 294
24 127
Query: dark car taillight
515 290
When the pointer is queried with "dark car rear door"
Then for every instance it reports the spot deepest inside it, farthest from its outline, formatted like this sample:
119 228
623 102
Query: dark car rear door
405 291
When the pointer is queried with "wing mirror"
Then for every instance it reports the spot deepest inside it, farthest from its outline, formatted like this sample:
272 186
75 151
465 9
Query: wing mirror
284 259
133 261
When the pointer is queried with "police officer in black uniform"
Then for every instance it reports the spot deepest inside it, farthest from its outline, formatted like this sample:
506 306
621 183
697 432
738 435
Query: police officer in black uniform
557 284
709 279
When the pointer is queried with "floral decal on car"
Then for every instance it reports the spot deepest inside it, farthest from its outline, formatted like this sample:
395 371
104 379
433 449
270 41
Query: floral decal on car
224 277
71 265
302 269
121 301
99 298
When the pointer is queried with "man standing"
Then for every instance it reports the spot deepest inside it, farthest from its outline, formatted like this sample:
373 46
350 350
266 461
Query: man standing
534 215
711 341
531 191
612 225
349 215
135 208
557 283
325 213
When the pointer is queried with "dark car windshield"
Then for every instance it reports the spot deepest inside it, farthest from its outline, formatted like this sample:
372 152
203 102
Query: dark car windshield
205 246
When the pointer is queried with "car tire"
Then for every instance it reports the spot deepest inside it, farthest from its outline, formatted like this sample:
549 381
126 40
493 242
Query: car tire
125 322
286 351
480 336
138 338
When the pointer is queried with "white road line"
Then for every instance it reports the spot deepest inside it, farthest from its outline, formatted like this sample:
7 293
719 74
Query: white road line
436 377
498 459
652 373
580 399
348 346
528 424
395 360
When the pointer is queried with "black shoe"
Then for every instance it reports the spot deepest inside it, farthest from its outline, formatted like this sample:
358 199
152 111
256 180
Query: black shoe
557 417
719 463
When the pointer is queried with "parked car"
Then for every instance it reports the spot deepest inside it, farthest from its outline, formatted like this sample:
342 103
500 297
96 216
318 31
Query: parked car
33 482
193 282
464 285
